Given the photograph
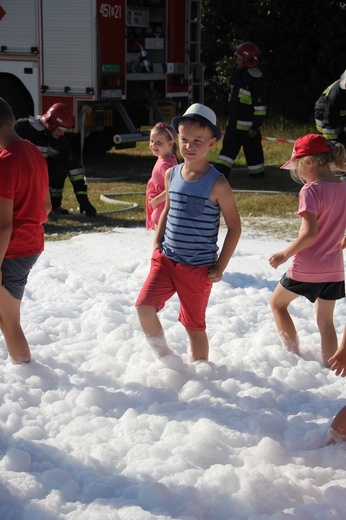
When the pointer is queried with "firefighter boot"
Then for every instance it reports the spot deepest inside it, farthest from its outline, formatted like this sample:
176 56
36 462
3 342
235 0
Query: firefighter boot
85 206
56 199
60 211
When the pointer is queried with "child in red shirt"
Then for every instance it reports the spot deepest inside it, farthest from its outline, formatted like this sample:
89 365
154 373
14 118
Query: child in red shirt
24 206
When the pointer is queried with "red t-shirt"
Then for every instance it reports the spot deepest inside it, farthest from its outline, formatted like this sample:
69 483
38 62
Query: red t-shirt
24 179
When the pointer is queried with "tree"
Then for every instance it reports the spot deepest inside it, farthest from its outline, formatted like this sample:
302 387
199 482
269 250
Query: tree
302 50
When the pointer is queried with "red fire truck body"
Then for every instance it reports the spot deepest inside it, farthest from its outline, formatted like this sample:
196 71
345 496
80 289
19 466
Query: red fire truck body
119 66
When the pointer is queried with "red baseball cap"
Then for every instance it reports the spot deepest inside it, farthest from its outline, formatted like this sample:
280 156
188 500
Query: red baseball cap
309 144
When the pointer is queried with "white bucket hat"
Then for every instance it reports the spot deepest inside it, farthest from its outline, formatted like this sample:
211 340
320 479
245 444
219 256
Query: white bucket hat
200 113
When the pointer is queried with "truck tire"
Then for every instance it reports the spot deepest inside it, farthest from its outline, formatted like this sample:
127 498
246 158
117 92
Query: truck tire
16 95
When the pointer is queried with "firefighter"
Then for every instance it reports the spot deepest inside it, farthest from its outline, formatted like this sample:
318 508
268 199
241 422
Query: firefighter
47 132
330 111
246 113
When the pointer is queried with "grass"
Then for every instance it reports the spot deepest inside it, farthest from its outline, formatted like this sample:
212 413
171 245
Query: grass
123 174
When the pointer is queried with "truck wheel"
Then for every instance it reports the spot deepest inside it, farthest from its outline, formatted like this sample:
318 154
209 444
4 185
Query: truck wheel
16 95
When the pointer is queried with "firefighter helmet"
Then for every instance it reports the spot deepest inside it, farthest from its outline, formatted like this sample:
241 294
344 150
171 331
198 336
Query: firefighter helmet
249 52
58 115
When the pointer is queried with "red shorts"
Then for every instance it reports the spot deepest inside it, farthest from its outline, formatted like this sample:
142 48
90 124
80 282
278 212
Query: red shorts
191 284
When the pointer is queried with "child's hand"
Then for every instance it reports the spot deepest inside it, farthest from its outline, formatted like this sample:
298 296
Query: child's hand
153 202
343 243
277 259
338 363
214 273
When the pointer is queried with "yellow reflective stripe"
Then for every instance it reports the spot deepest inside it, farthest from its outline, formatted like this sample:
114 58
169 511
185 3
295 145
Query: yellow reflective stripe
43 150
75 171
77 174
244 125
261 112
256 168
75 178
245 99
226 161
328 135
47 151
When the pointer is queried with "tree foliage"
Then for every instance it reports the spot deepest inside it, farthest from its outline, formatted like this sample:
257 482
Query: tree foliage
302 49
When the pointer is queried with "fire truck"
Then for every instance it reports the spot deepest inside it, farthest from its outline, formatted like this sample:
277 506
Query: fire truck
120 66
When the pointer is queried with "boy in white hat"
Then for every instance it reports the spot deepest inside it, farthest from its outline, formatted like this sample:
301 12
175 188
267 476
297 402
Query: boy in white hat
185 256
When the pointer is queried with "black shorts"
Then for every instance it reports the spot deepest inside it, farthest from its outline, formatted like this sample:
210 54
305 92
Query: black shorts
312 291
15 273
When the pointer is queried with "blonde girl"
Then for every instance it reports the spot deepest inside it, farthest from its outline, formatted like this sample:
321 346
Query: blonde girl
163 146
317 268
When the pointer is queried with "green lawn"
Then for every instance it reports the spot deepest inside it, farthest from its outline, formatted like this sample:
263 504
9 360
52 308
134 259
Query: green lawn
123 174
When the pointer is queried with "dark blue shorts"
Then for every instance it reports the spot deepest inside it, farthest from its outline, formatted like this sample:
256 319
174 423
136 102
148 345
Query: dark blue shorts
312 291
15 273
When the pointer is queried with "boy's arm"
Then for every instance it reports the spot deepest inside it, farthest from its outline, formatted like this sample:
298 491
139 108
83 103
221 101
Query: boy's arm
161 226
47 202
6 217
222 195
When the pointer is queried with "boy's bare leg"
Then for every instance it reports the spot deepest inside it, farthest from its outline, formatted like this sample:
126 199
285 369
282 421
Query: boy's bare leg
16 342
329 340
153 330
279 302
149 320
199 344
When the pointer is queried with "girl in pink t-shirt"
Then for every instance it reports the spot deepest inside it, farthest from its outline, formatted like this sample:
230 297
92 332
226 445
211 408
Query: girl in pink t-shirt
162 144
317 268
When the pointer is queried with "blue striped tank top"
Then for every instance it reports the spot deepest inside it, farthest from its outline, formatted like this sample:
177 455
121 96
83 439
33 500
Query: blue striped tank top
193 221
